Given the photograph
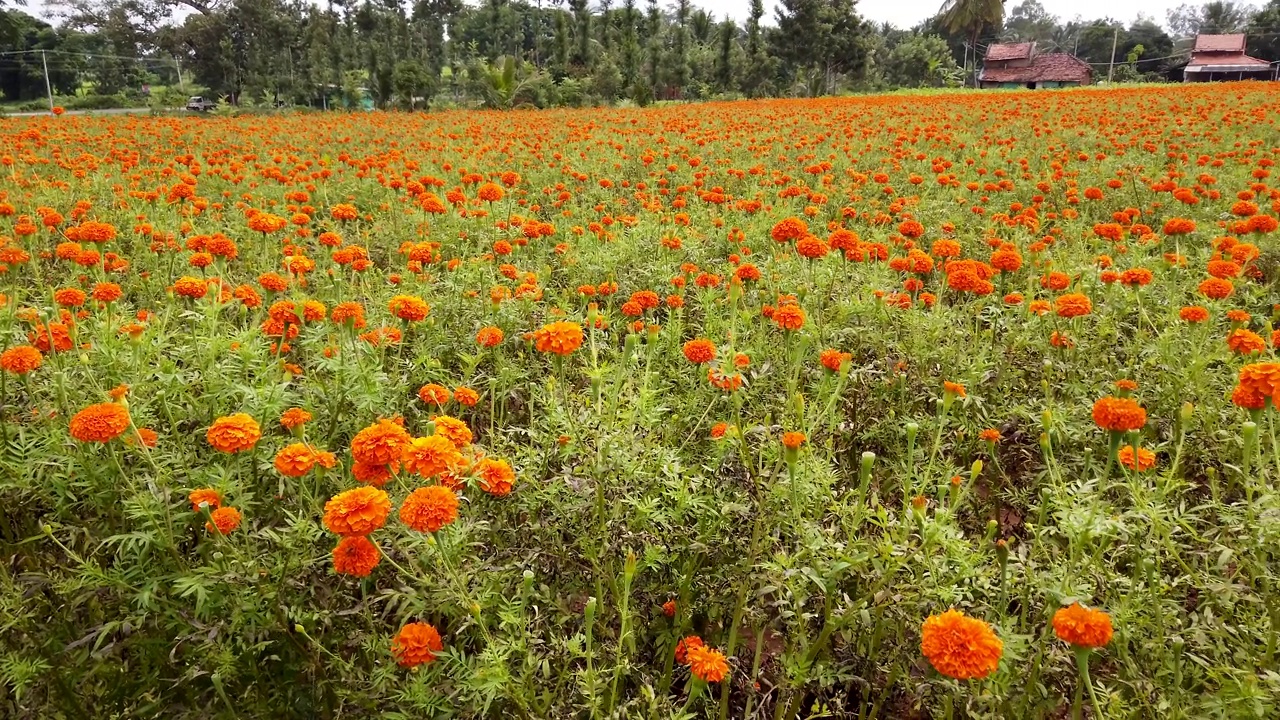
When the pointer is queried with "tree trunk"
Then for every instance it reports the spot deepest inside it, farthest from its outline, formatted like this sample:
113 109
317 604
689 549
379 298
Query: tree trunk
973 43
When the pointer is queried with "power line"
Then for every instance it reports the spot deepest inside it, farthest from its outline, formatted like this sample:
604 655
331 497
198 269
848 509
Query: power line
86 55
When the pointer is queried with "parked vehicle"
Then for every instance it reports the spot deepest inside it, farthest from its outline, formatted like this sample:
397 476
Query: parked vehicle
200 104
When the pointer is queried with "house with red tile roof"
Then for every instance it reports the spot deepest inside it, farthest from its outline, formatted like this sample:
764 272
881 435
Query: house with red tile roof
1222 57
1020 65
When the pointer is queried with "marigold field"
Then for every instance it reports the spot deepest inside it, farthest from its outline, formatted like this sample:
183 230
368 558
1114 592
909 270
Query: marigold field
935 406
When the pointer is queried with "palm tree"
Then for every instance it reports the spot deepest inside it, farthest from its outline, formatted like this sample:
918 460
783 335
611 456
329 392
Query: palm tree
970 17
1223 18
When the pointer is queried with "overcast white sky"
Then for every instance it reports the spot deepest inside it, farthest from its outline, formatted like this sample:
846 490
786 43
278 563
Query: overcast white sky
907 13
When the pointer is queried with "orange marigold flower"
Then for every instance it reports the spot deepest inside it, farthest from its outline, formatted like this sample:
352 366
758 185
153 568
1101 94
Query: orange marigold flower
706 664
990 435
1073 305
1262 378
466 396
375 475
344 211
956 389
294 417
1146 458
1216 288
833 359
789 229
357 512
69 297
1193 314
205 496
490 192
416 644
428 509
380 444
700 351
348 312
1224 269
433 394
495 476
1082 627
453 430
430 456
21 359
811 247
1179 226
1136 277
793 440
1245 342
107 292
223 521
560 338
1248 398
1007 259
356 555
190 287
959 646
1119 414
295 460
789 317
100 423
409 307
233 433
684 646
489 336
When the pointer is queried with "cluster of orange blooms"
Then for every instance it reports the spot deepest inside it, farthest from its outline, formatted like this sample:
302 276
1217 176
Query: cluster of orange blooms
292 247
966 648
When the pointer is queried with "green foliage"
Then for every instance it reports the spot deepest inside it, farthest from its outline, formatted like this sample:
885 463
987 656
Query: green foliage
812 571
922 61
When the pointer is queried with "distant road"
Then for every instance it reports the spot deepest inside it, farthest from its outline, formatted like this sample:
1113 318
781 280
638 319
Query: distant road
112 111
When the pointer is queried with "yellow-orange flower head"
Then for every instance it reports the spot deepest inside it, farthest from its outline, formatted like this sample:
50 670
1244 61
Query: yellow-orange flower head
430 508
357 512
453 430
1119 414
223 521
416 644
431 456
707 664
295 460
495 476
234 433
409 307
789 317
700 351
380 444
100 423
356 555
21 359
959 646
1082 627
205 496
558 338
1073 305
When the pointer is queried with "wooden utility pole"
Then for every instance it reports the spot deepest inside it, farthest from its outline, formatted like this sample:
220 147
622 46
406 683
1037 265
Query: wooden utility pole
48 88
1115 38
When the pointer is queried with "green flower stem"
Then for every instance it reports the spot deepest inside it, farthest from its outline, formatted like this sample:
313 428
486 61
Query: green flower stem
1082 662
